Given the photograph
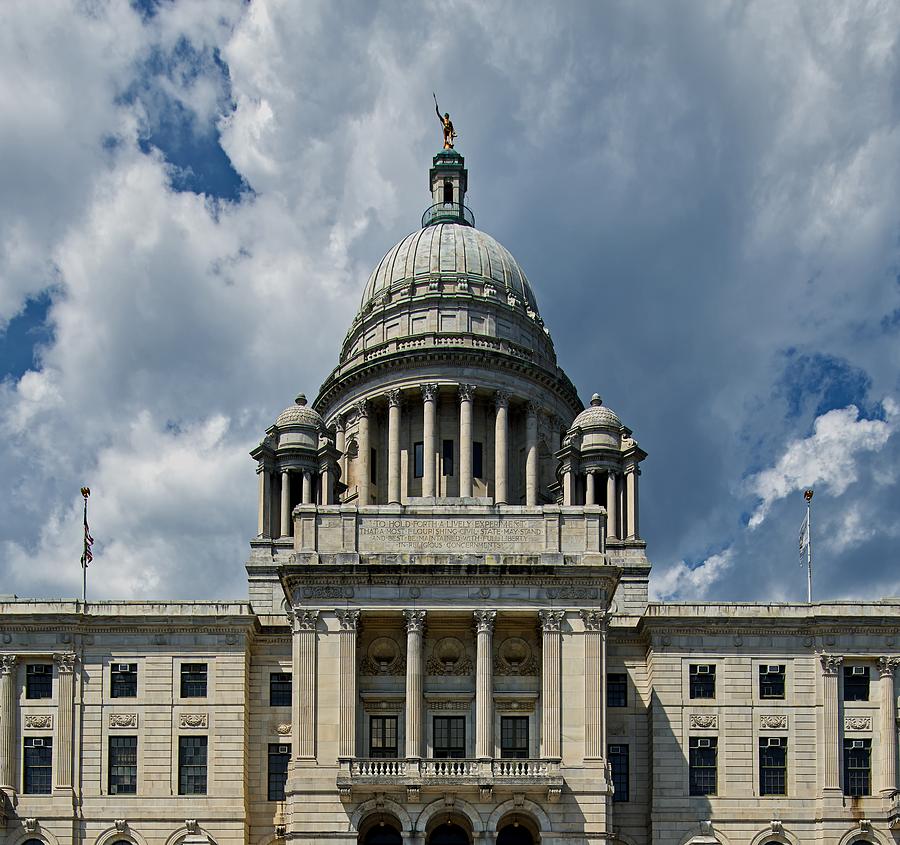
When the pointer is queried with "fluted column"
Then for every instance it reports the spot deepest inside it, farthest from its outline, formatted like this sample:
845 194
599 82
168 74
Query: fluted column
8 718
340 443
285 503
594 700
551 627
590 495
349 622
612 528
429 439
501 449
831 666
304 683
362 438
262 477
466 394
886 668
484 684
393 398
531 455
415 631
631 492
64 747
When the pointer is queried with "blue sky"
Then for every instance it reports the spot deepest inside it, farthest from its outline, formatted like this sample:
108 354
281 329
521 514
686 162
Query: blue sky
703 196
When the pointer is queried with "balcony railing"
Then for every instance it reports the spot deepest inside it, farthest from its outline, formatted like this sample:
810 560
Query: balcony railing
448 212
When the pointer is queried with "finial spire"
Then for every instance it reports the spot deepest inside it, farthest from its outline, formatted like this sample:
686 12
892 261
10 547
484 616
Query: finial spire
596 401
301 399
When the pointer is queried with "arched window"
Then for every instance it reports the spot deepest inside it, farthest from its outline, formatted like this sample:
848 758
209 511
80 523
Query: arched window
515 835
448 834
38 842
448 192
382 835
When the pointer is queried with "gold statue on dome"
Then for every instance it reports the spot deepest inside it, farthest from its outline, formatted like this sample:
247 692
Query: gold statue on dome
446 123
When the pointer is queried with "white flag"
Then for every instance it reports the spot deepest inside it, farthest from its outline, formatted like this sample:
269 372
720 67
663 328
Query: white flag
804 538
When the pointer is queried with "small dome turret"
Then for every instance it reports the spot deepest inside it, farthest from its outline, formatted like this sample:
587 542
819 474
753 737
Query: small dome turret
597 415
300 415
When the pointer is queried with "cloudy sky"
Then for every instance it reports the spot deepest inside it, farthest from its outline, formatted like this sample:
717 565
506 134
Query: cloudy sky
703 194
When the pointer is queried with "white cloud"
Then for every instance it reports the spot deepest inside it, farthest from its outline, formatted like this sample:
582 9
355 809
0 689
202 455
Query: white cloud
680 581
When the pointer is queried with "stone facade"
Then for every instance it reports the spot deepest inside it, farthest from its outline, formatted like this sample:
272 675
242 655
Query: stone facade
448 637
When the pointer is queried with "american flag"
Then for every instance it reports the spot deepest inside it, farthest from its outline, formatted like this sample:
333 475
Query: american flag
87 556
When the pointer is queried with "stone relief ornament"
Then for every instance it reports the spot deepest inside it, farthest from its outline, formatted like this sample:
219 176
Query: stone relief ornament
887 666
123 720
704 721
774 721
515 657
415 620
448 657
857 723
383 658
7 663
484 620
283 729
65 662
305 619
594 620
348 619
194 720
36 721
831 663
551 620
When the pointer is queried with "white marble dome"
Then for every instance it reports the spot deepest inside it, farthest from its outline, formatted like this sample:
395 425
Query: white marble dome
299 414
450 250
597 415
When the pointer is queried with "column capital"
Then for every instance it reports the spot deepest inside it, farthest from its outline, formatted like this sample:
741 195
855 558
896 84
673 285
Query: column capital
632 469
340 422
7 664
415 620
393 398
594 620
65 662
831 663
466 392
484 621
349 619
551 620
501 399
429 392
887 666
304 619
361 407
532 408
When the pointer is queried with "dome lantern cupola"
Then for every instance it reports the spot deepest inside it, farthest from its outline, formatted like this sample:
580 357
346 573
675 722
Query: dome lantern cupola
448 180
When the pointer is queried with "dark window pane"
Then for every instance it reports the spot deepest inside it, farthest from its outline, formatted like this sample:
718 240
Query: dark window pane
702 760
618 762
449 736
702 680
192 765
477 460
772 766
193 680
856 683
418 460
447 454
38 680
771 681
616 690
383 736
122 765
514 736
279 758
280 689
123 680
38 761
857 767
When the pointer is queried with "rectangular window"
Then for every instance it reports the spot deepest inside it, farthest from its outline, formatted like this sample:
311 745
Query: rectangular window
702 680
514 737
447 457
857 767
279 757
856 683
192 765
123 680
449 736
123 765
383 736
771 681
477 460
373 466
193 680
418 460
280 689
616 690
618 763
772 765
38 680
702 763
38 759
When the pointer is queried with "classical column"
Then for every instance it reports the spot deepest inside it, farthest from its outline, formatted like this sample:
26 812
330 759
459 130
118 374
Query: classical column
64 749
612 528
501 457
303 710
631 491
590 495
8 708
326 483
285 503
551 624
484 684
393 398
262 476
567 486
349 622
466 394
831 667
307 487
531 456
886 668
362 461
340 443
594 699
429 439
415 629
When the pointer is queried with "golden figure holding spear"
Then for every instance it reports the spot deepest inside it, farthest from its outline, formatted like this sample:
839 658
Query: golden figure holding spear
446 123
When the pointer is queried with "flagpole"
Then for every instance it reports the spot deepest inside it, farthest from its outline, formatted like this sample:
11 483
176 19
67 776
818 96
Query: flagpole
808 494
85 492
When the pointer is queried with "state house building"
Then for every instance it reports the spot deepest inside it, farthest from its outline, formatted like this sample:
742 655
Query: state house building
448 638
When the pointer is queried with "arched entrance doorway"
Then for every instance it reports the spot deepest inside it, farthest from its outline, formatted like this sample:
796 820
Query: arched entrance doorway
380 829
513 834
449 833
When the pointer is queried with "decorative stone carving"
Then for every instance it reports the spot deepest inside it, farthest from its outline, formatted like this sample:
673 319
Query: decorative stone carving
448 657
887 666
348 619
704 721
490 290
594 620
452 704
65 662
857 723
7 663
362 408
551 620
831 663
773 721
327 591
514 705
484 620
515 657
466 392
35 721
776 827
383 658
572 593
194 720
393 398
429 392
305 619
283 729
120 824
123 720
501 399
415 620
31 825
192 826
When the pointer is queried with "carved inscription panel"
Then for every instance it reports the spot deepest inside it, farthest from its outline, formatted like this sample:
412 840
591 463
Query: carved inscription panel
448 536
